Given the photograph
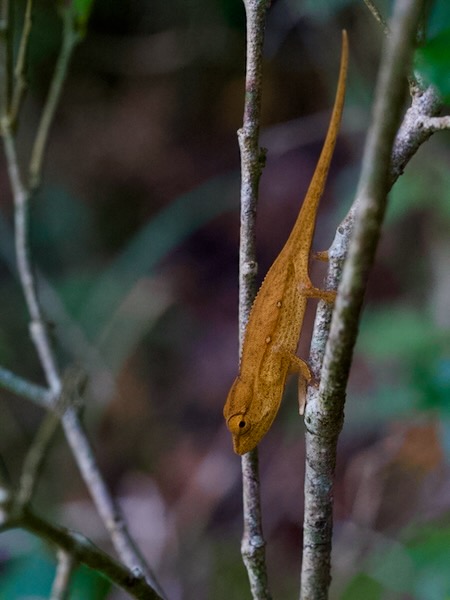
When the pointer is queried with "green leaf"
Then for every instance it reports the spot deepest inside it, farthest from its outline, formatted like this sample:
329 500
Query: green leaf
433 62
396 333
430 553
89 585
418 567
363 586
439 17
431 379
30 575
413 191
392 567
83 8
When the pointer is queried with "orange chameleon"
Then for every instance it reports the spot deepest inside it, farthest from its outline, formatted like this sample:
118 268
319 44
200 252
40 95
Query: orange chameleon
276 318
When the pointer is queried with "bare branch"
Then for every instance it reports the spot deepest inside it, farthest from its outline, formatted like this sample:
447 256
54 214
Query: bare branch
34 460
378 16
324 411
433 124
78 441
252 162
22 387
64 569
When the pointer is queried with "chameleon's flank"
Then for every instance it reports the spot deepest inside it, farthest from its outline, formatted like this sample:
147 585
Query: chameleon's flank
276 318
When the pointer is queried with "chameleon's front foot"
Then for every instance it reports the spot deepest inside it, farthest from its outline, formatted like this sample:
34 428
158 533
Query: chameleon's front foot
309 291
322 256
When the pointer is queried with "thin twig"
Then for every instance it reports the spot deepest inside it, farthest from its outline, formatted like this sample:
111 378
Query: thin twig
252 162
24 388
83 551
433 124
71 37
64 570
38 326
35 458
378 16
6 51
20 71
324 411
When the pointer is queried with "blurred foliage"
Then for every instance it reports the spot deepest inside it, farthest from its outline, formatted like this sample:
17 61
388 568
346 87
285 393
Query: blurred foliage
417 568
433 58
319 9
434 62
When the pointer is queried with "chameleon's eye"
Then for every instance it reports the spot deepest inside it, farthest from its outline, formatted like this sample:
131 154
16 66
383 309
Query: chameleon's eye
238 424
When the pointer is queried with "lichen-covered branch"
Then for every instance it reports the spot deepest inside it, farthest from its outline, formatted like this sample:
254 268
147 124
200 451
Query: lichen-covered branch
377 14
324 411
35 458
252 163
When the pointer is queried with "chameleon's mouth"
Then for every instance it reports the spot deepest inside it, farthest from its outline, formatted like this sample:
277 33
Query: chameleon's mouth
243 444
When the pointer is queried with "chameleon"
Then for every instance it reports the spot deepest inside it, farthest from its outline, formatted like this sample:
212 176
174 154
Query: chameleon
274 326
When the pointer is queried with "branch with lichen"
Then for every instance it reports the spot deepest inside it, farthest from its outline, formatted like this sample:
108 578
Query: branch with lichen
252 162
388 149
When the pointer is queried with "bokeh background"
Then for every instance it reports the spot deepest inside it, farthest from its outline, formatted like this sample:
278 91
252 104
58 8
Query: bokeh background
135 238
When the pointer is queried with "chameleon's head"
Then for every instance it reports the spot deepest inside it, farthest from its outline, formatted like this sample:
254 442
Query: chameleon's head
246 416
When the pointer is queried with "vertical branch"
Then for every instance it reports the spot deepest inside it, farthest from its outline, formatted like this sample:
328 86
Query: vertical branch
324 412
252 162
38 326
